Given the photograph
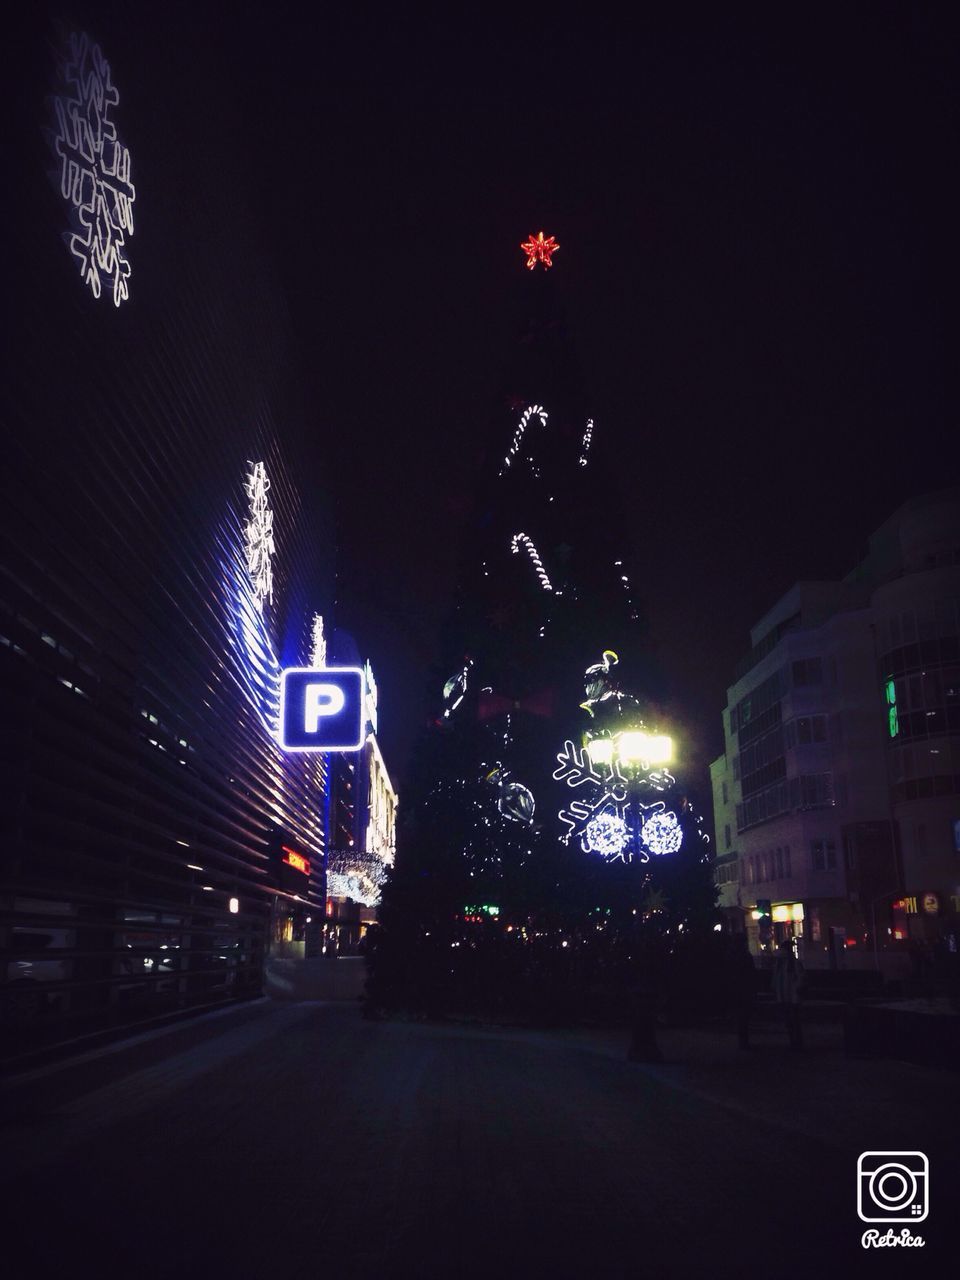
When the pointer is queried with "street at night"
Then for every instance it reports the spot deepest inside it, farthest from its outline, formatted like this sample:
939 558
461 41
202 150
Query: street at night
479 643
304 1135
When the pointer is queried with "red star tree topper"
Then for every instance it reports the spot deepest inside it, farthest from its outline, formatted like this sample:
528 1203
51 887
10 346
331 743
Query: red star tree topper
539 249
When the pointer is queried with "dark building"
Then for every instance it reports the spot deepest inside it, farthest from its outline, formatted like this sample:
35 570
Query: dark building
161 555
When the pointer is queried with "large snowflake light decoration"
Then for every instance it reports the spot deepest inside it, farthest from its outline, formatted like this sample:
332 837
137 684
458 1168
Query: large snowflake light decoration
94 169
609 815
539 248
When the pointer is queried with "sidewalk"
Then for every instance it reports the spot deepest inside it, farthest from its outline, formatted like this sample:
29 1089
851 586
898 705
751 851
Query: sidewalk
41 1089
819 1092
339 978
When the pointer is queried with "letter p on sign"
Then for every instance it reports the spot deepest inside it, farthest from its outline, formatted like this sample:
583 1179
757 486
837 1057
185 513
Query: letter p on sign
321 699
321 709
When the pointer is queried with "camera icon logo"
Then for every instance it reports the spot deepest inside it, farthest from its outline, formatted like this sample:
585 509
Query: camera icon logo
892 1186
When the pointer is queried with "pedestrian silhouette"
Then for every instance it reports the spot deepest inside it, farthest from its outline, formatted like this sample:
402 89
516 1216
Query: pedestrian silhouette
741 986
787 984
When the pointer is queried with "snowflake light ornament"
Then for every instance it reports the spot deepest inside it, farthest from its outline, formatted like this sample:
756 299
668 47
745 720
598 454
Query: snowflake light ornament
259 534
94 169
608 815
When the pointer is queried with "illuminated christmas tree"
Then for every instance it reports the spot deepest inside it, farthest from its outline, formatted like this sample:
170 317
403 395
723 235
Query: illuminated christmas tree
543 581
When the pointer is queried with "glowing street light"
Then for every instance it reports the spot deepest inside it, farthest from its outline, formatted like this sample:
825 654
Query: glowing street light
636 746
601 750
661 749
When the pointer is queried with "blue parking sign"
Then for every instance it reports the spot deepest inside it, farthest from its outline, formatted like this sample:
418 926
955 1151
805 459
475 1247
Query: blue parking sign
321 709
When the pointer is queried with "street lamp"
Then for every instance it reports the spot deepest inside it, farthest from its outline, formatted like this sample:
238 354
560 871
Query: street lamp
634 746
601 750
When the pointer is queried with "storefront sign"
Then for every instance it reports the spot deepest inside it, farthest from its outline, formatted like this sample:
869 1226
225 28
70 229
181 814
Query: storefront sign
295 860
931 904
322 710
786 911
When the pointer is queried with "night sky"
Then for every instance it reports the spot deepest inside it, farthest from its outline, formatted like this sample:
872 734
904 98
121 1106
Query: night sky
756 219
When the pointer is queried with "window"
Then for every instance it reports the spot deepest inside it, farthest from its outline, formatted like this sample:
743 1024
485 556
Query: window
725 796
786 861
779 864
849 853
760 700
814 726
811 791
804 730
726 836
823 855
807 671
766 804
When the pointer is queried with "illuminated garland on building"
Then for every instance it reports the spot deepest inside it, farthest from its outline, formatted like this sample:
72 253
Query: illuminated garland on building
357 876
521 428
521 539
259 535
318 642
258 666
585 444
94 170
370 696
